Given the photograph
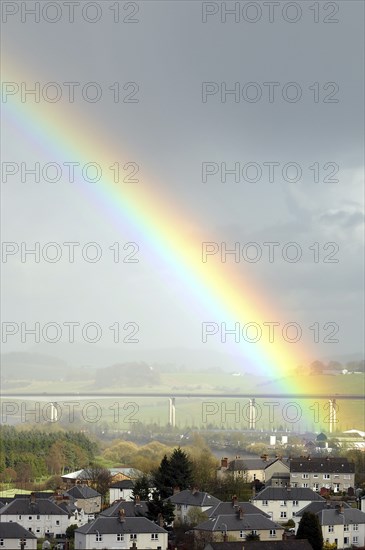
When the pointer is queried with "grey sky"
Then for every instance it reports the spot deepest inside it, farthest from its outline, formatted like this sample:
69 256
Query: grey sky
170 133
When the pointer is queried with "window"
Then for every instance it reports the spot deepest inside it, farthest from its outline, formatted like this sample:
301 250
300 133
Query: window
242 534
355 540
330 528
316 487
336 476
305 476
19 517
120 537
346 528
283 514
265 503
304 484
154 536
57 521
133 536
355 527
2 542
98 537
37 530
272 532
295 503
38 517
315 476
326 476
346 540
294 475
30 517
346 476
283 503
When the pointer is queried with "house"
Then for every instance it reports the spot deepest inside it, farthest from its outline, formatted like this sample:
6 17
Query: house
84 476
120 532
40 516
187 500
342 525
335 473
261 545
12 533
282 503
252 469
86 498
136 508
238 526
121 490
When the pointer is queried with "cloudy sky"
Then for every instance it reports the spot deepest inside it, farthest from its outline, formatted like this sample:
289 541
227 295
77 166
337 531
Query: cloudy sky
293 129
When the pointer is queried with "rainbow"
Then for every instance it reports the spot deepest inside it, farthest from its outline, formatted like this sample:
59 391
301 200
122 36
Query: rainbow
217 292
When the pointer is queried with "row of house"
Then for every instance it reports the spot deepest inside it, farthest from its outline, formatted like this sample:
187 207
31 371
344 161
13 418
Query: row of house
332 473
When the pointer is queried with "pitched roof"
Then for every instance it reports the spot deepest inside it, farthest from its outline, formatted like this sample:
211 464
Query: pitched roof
227 508
286 493
235 523
337 517
24 506
110 525
322 464
131 509
249 464
14 531
320 505
194 498
124 484
82 492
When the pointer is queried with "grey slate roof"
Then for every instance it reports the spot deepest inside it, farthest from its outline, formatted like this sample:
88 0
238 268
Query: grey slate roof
82 492
235 523
197 498
14 531
283 493
124 484
23 506
249 464
131 509
227 508
336 465
110 525
334 517
320 505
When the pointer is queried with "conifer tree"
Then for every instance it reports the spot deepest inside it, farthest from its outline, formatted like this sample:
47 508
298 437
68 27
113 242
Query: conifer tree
310 529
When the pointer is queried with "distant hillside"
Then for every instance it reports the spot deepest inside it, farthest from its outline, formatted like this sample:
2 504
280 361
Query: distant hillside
127 374
35 366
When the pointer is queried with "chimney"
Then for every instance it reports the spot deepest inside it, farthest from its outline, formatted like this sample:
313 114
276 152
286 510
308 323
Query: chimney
194 491
32 498
234 500
121 515
137 500
284 537
240 513
340 508
160 519
176 490
224 462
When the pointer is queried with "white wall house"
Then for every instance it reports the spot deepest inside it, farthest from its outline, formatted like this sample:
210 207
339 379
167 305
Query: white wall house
340 525
282 503
237 527
40 516
335 473
120 533
121 490
187 500
12 533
